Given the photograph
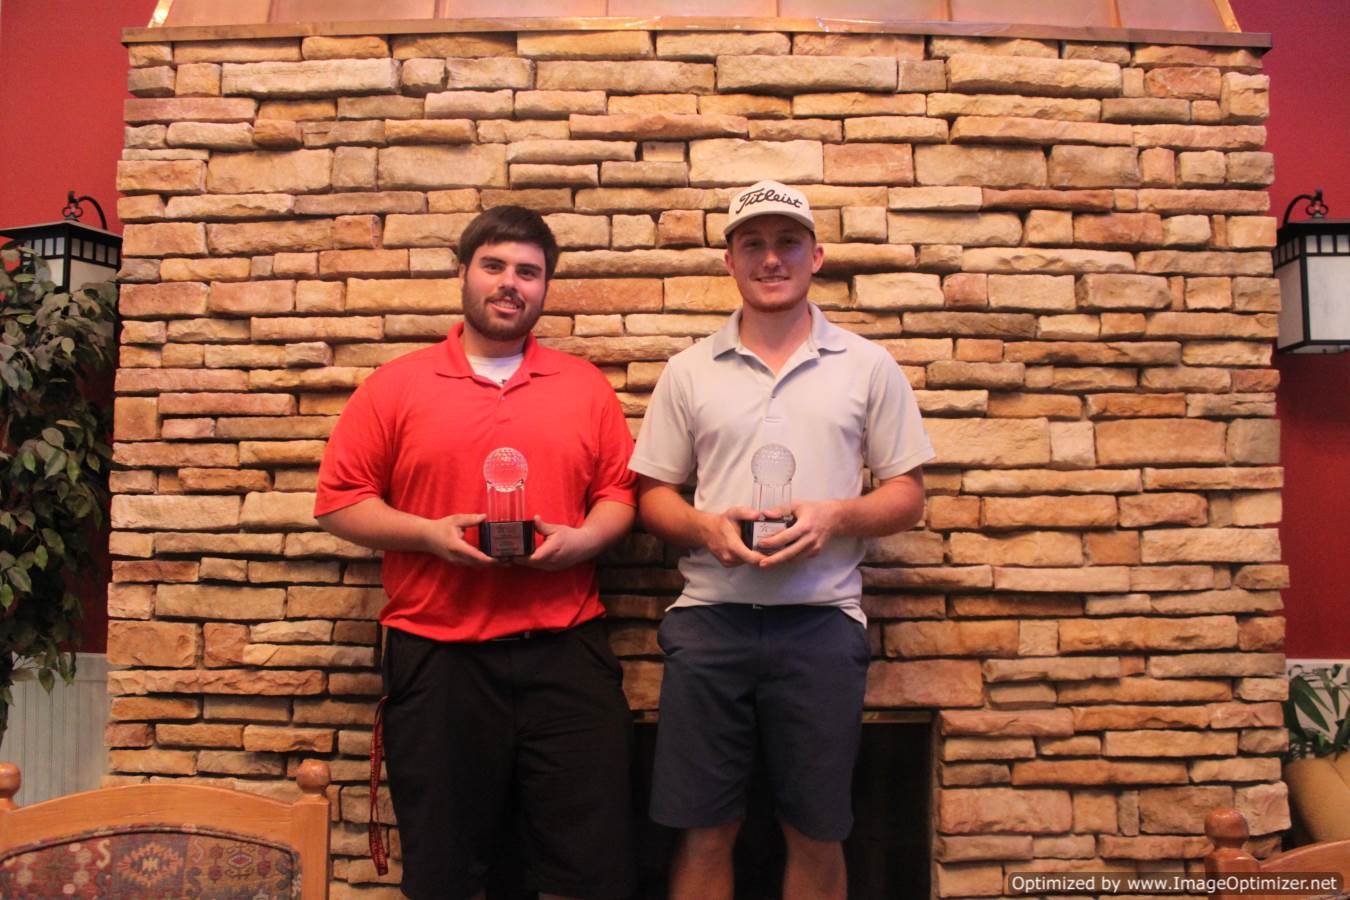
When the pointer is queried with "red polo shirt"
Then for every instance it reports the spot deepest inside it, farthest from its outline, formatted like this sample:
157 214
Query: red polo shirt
416 433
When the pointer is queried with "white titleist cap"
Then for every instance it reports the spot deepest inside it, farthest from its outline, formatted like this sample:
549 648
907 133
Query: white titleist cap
768 198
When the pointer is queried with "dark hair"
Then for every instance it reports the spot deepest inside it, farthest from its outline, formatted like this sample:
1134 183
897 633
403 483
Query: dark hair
509 224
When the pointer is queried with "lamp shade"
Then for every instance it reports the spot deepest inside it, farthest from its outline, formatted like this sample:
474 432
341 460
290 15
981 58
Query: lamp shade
1312 262
76 254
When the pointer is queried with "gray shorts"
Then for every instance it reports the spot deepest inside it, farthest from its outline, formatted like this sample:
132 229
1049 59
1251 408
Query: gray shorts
788 679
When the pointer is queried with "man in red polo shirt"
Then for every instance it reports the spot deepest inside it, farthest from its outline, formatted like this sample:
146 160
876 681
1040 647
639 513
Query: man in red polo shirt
502 693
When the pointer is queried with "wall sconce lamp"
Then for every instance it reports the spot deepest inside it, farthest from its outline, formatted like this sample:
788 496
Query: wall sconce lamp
1312 262
76 254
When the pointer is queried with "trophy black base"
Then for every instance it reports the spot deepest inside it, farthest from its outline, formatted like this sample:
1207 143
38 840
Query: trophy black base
504 540
755 530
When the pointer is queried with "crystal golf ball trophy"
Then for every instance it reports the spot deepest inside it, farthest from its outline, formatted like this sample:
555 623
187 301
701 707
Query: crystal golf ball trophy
772 466
506 532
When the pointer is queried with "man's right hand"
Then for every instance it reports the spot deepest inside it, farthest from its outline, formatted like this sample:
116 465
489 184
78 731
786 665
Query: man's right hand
445 538
721 534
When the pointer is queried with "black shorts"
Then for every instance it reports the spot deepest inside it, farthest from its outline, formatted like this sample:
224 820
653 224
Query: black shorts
537 725
791 678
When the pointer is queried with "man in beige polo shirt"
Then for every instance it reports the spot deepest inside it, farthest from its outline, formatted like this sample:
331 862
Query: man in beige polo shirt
768 646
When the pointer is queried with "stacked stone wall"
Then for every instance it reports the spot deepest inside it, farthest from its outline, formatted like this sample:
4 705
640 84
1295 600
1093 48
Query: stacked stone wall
1064 245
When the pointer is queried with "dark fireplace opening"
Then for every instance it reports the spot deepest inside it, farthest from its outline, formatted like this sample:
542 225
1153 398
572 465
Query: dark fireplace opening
888 854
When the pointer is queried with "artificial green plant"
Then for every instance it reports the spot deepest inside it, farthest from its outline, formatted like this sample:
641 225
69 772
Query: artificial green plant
54 461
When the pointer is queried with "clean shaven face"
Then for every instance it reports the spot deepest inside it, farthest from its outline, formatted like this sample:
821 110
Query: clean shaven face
772 259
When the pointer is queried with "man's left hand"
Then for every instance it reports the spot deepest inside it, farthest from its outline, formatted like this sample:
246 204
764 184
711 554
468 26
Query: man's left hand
817 522
562 548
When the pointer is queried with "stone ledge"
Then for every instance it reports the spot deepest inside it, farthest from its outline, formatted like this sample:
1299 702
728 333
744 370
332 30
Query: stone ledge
1257 40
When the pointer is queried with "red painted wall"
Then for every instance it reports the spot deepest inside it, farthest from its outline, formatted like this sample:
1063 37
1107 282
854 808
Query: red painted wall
63 73
62 82
1309 128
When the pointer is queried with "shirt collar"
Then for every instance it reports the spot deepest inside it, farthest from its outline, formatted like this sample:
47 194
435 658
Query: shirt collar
824 334
456 365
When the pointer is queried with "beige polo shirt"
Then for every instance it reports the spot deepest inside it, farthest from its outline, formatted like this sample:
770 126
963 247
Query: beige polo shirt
839 403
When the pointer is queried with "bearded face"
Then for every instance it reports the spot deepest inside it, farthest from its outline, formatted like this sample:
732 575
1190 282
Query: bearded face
503 291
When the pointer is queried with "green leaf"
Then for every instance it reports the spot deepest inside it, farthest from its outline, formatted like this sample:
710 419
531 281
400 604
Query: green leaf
1333 691
55 463
68 345
28 460
6 596
54 437
1342 738
53 540
1308 702
19 578
40 557
46 680
1291 722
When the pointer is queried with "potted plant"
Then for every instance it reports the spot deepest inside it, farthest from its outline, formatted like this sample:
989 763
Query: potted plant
54 460
1317 766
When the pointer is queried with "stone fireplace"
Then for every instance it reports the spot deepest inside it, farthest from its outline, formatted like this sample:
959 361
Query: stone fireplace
1062 241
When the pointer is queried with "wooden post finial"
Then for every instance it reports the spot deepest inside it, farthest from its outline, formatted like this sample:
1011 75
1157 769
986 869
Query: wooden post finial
10 780
313 776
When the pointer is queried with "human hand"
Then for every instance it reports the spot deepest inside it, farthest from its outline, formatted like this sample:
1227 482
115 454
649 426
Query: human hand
562 547
817 522
445 538
721 534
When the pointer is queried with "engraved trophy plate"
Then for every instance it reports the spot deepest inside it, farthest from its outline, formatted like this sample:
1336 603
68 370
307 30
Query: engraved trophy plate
766 528
505 539
772 466
506 533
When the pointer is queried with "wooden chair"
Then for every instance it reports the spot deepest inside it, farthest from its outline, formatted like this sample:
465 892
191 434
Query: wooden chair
1227 830
166 840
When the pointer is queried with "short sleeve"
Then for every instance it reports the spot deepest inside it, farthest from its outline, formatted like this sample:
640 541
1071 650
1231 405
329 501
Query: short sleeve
613 480
357 461
665 444
895 441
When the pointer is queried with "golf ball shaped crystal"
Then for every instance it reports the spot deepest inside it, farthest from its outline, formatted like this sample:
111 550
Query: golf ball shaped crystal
505 467
773 464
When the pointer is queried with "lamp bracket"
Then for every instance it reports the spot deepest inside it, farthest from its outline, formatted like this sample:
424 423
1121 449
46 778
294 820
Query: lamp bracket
74 210
1316 208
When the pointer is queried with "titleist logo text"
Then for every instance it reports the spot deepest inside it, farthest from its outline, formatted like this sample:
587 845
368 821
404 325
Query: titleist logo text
766 195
